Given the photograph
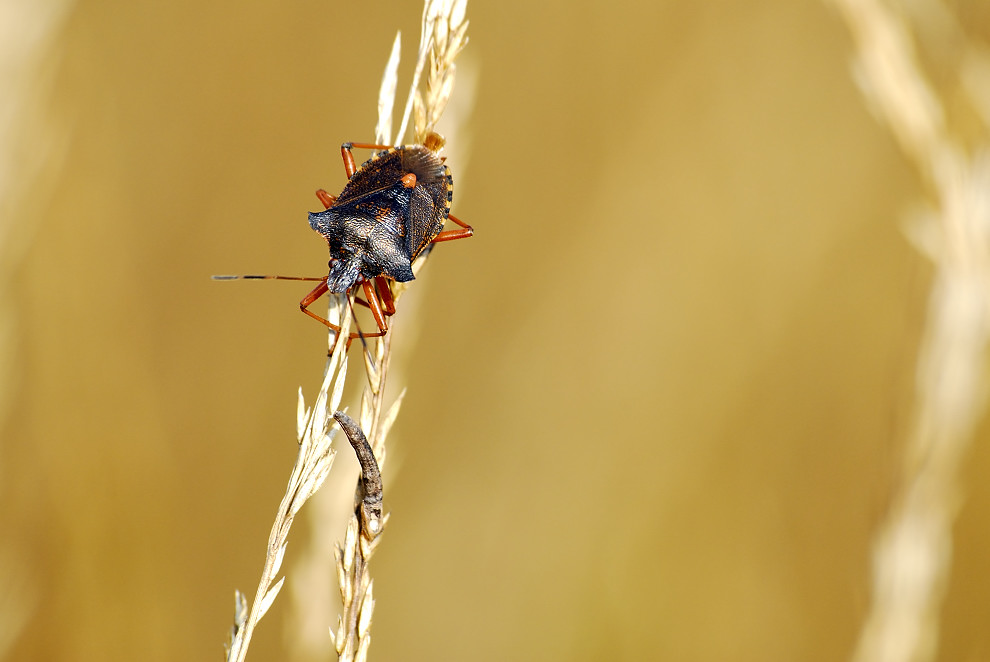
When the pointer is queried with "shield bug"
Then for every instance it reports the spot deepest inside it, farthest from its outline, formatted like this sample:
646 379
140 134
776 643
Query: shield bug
391 209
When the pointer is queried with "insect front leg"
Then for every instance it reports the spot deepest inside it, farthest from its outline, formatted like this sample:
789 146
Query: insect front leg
376 308
310 298
385 298
385 293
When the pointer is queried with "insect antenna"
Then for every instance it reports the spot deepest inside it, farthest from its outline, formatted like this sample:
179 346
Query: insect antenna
262 277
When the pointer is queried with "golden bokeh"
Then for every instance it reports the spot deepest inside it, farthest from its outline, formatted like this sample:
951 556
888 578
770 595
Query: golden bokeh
656 405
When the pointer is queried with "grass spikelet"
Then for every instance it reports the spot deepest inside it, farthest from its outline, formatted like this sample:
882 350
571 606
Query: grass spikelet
912 552
386 94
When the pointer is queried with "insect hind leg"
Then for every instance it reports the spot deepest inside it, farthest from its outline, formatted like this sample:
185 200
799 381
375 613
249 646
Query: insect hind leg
450 235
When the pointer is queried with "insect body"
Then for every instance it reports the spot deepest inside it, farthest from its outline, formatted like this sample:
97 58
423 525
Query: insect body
391 209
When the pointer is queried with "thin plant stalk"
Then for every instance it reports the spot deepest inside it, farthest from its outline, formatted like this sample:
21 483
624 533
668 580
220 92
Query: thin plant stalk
314 460
913 549
442 38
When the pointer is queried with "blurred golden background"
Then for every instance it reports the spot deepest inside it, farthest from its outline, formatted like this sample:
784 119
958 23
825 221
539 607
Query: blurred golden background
656 406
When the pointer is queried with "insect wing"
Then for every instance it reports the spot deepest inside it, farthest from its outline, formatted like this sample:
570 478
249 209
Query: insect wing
378 173
428 209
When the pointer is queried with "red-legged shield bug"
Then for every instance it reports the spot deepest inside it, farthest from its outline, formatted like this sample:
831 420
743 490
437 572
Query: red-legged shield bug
390 210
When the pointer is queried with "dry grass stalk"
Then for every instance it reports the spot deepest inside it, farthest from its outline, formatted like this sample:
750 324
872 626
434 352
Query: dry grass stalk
442 38
443 35
913 548
313 462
